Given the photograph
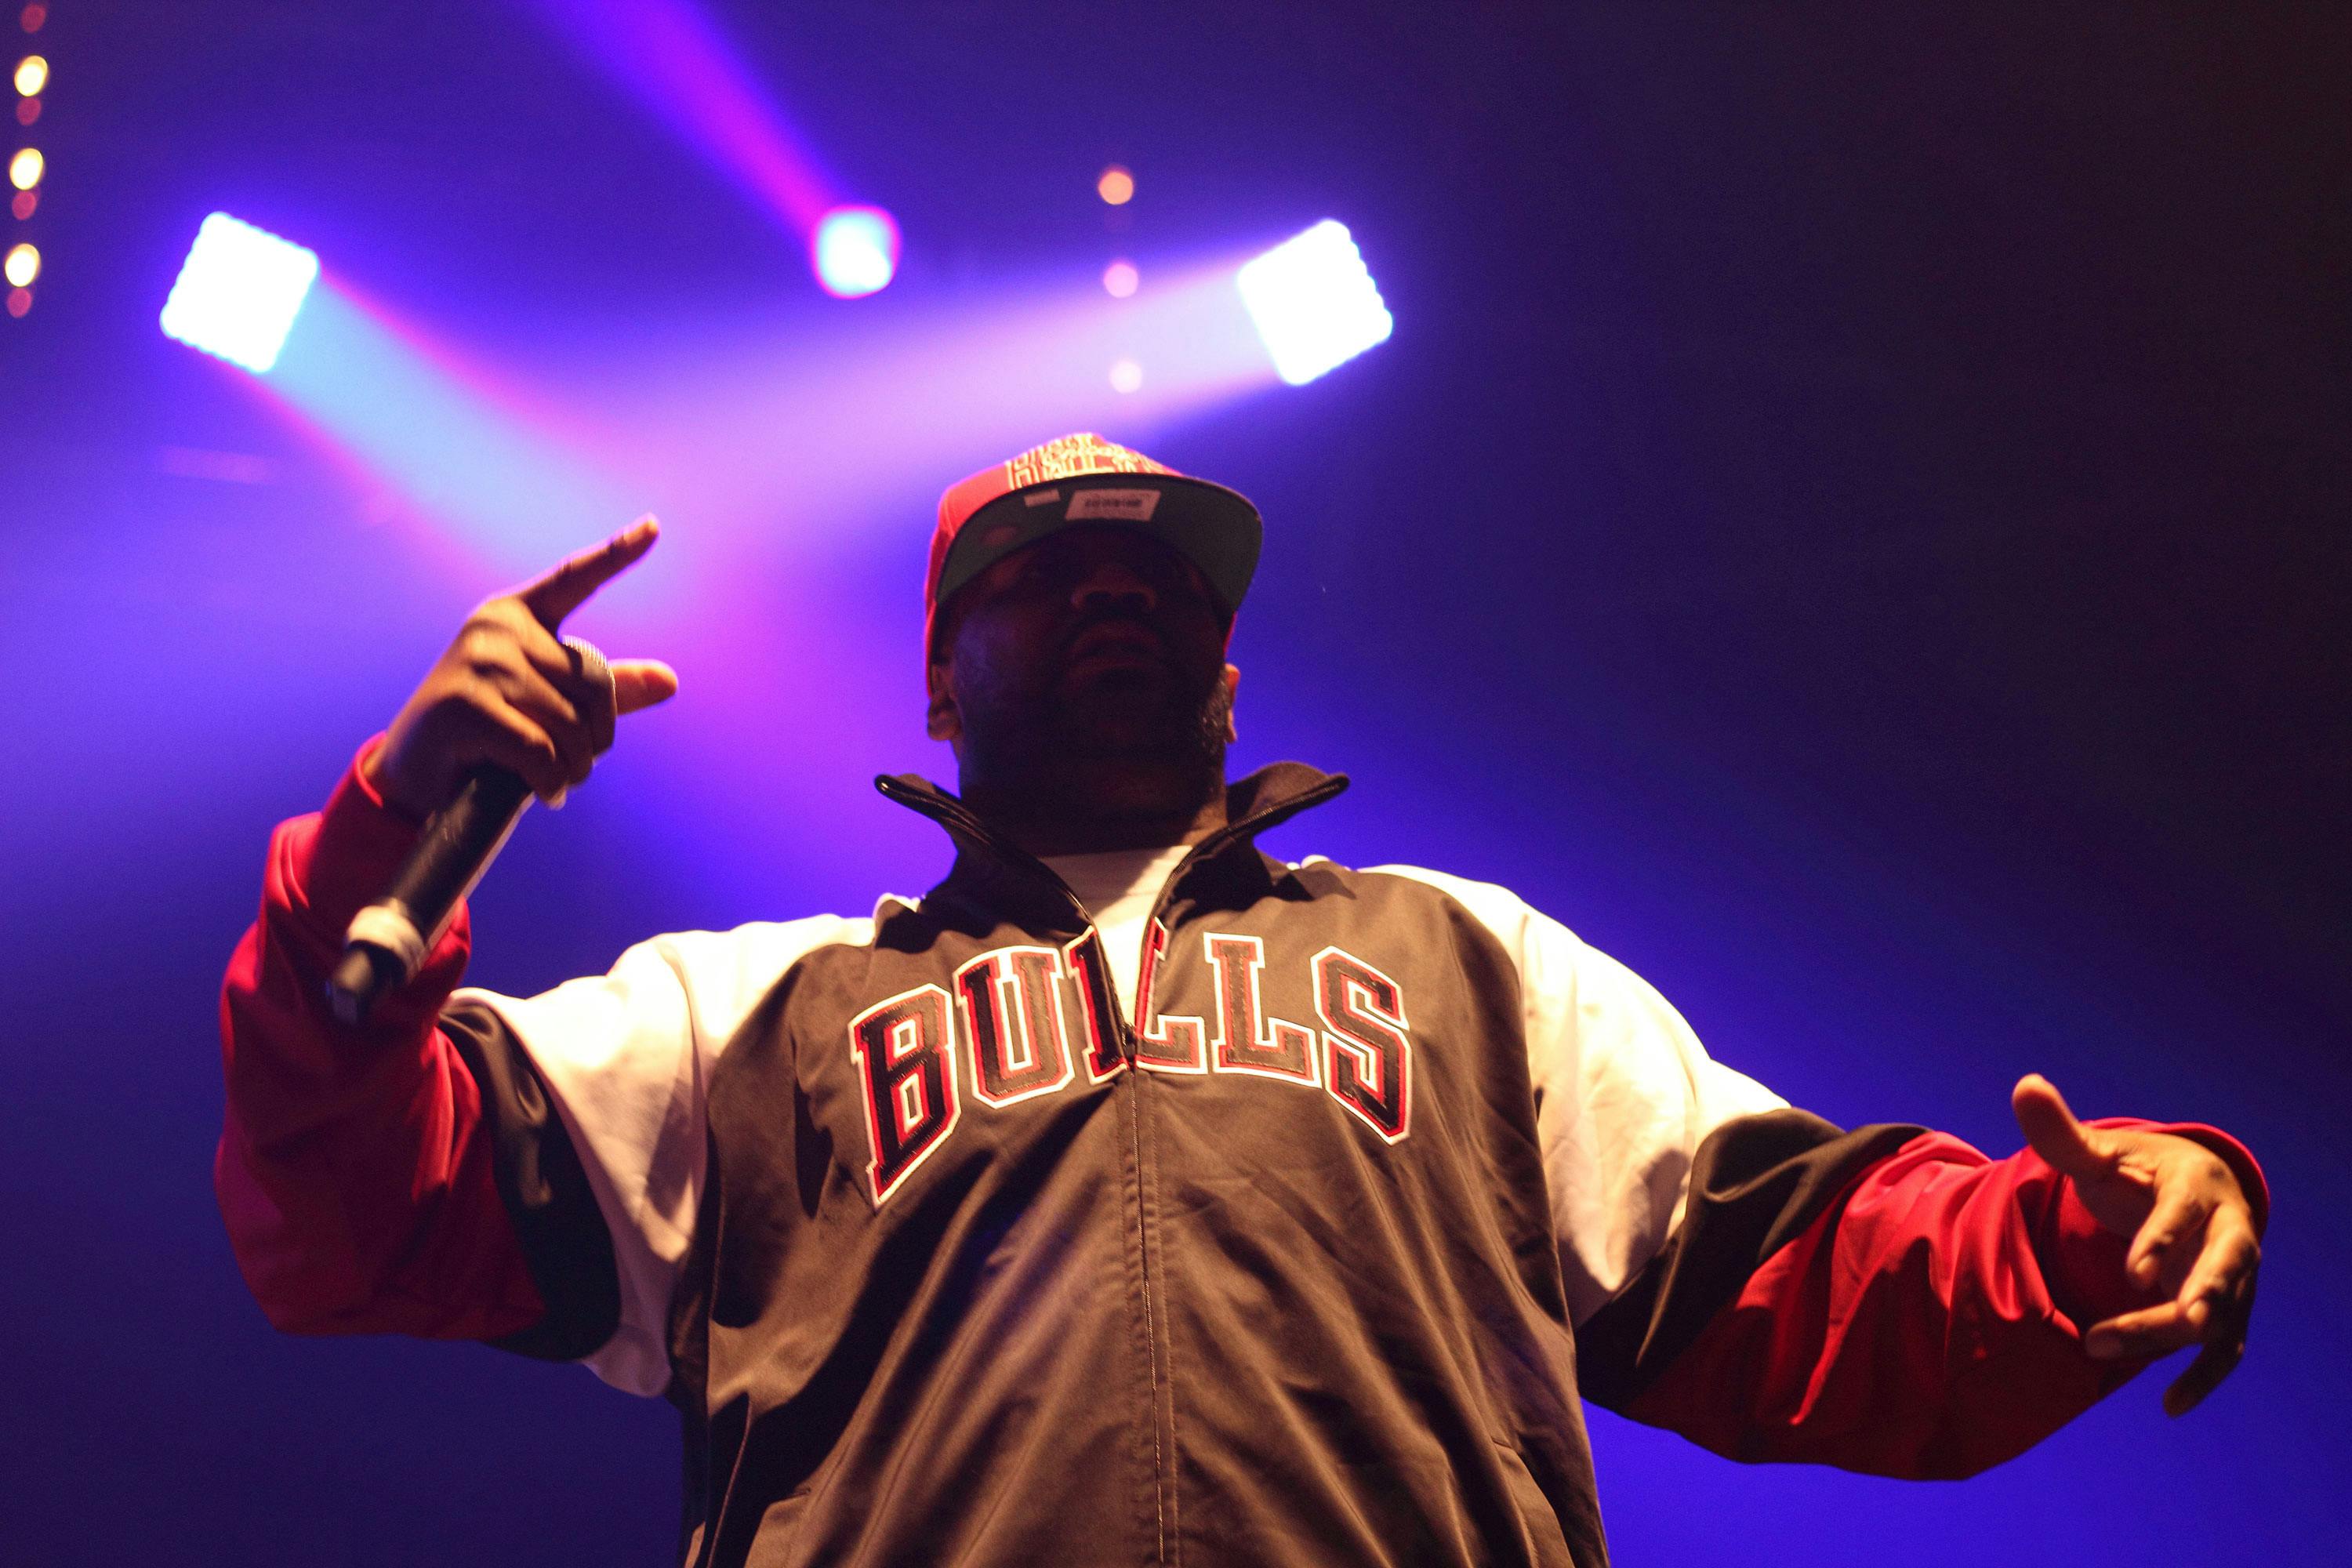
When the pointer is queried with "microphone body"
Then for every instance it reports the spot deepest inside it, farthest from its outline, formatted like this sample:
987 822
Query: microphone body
389 940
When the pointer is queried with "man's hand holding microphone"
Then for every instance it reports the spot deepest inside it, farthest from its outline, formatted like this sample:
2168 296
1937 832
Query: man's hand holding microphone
510 709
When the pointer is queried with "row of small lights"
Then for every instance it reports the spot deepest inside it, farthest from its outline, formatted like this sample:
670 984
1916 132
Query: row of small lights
21 264
1116 186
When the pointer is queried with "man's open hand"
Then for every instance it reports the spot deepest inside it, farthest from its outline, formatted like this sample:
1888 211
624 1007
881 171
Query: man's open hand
506 692
2193 1234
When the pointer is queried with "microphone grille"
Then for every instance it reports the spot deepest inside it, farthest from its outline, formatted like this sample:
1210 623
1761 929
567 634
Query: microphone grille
590 661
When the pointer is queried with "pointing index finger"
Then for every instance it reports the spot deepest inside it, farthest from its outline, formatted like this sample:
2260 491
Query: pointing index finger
568 585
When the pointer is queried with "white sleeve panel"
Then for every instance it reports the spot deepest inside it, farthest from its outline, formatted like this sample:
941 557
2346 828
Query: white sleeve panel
1625 1092
627 1056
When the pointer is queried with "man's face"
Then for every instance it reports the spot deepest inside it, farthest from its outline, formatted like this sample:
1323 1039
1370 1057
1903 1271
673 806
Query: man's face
1094 642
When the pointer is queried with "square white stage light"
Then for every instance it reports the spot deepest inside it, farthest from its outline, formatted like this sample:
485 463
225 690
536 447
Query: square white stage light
1314 302
239 293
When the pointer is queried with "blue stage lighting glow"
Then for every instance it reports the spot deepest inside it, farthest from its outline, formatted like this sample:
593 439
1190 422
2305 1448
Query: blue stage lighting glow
855 251
1314 302
239 293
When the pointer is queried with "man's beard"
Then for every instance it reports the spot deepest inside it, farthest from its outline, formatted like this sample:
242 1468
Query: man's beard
1124 740
1163 716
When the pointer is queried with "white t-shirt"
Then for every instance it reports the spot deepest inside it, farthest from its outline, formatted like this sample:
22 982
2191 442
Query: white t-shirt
1119 888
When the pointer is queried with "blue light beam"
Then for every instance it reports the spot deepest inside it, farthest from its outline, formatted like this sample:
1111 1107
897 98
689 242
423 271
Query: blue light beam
1314 302
239 293
465 451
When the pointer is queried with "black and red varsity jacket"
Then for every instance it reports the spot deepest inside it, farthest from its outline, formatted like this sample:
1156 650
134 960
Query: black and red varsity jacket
944 1260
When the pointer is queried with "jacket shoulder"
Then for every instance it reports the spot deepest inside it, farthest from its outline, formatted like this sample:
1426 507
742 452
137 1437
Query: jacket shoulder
1514 922
701 983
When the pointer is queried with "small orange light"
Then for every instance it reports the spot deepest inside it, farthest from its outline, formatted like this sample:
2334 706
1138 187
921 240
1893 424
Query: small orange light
24 202
32 75
1120 280
27 110
22 265
1117 186
25 170
19 301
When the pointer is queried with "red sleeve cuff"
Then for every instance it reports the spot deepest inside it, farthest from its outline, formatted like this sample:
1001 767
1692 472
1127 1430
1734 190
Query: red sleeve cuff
358 845
325 869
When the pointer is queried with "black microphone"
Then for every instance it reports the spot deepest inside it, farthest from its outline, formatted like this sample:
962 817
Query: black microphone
389 941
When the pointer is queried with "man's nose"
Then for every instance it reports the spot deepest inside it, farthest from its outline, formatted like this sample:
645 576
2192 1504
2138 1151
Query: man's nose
1109 583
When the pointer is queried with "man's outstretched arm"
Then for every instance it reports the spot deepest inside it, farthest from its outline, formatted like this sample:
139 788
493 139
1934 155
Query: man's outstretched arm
1885 1299
1939 1312
355 1171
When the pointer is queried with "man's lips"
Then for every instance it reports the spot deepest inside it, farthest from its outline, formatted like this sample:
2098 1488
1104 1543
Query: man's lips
1118 642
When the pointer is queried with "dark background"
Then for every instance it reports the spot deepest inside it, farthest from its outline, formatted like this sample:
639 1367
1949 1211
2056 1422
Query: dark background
1851 519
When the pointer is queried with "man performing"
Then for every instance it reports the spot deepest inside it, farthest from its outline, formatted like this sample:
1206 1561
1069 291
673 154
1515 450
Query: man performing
1135 1196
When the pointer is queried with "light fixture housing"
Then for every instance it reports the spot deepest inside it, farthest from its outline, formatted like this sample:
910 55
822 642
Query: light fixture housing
239 293
855 251
1314 302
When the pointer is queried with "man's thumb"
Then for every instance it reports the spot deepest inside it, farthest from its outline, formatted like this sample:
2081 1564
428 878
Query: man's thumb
2051 1128
642 683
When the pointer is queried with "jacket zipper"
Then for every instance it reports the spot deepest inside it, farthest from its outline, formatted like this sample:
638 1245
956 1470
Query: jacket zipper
952 813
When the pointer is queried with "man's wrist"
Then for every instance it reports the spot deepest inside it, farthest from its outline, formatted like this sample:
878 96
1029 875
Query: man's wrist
371 771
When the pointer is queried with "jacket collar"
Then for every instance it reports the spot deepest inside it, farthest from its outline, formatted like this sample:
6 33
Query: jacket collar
992 868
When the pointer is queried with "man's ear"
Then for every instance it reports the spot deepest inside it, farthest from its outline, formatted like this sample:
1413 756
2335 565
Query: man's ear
943 722
1233 684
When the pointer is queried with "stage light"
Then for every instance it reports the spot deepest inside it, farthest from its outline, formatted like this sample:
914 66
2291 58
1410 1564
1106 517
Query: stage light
1117 186
23 265
1314 302
1120 280
32 75
855 251
26 168
1126 375
22 203
31 17
239 293
19 301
